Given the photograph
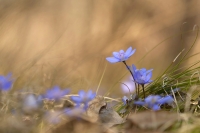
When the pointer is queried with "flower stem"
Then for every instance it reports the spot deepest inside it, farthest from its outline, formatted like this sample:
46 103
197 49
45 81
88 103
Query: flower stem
143 90
137 91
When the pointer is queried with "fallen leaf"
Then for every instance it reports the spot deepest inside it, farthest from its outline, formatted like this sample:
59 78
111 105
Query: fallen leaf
98 111
94 108
109 117
149 120
80 126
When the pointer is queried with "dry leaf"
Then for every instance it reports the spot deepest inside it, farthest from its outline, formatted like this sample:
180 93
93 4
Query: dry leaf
98 112
109 117
94 108
152 120
80 126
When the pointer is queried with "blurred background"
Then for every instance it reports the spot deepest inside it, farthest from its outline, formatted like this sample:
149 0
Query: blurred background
50 42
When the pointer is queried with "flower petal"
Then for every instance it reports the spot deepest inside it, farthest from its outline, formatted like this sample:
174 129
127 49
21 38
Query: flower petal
128 51
81 94
130 54
112 59
76 99
6 82
142 71
138 78
155 107
148 77
152 99
56 89
167 99
148 71
7 85
133 68
90 95
116 55
121 51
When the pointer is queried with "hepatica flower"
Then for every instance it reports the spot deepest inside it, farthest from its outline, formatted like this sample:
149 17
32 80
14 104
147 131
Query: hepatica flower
141 76
167 99
154 101
6 82
56 93
121 55
83 98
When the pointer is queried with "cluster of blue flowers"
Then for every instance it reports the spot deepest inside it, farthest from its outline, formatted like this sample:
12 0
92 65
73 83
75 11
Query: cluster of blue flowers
81 103
155 101
52 94
140 78
56 93
83 98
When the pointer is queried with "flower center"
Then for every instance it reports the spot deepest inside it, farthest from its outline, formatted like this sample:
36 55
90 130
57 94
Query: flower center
121 56
153 100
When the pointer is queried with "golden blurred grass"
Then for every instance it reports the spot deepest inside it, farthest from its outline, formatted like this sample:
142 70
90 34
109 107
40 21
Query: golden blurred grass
44 43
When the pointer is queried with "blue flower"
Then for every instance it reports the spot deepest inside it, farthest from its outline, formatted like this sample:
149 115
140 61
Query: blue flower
83 98
150 102
141 76
121 55
6 82
154 101
56 93
167 99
